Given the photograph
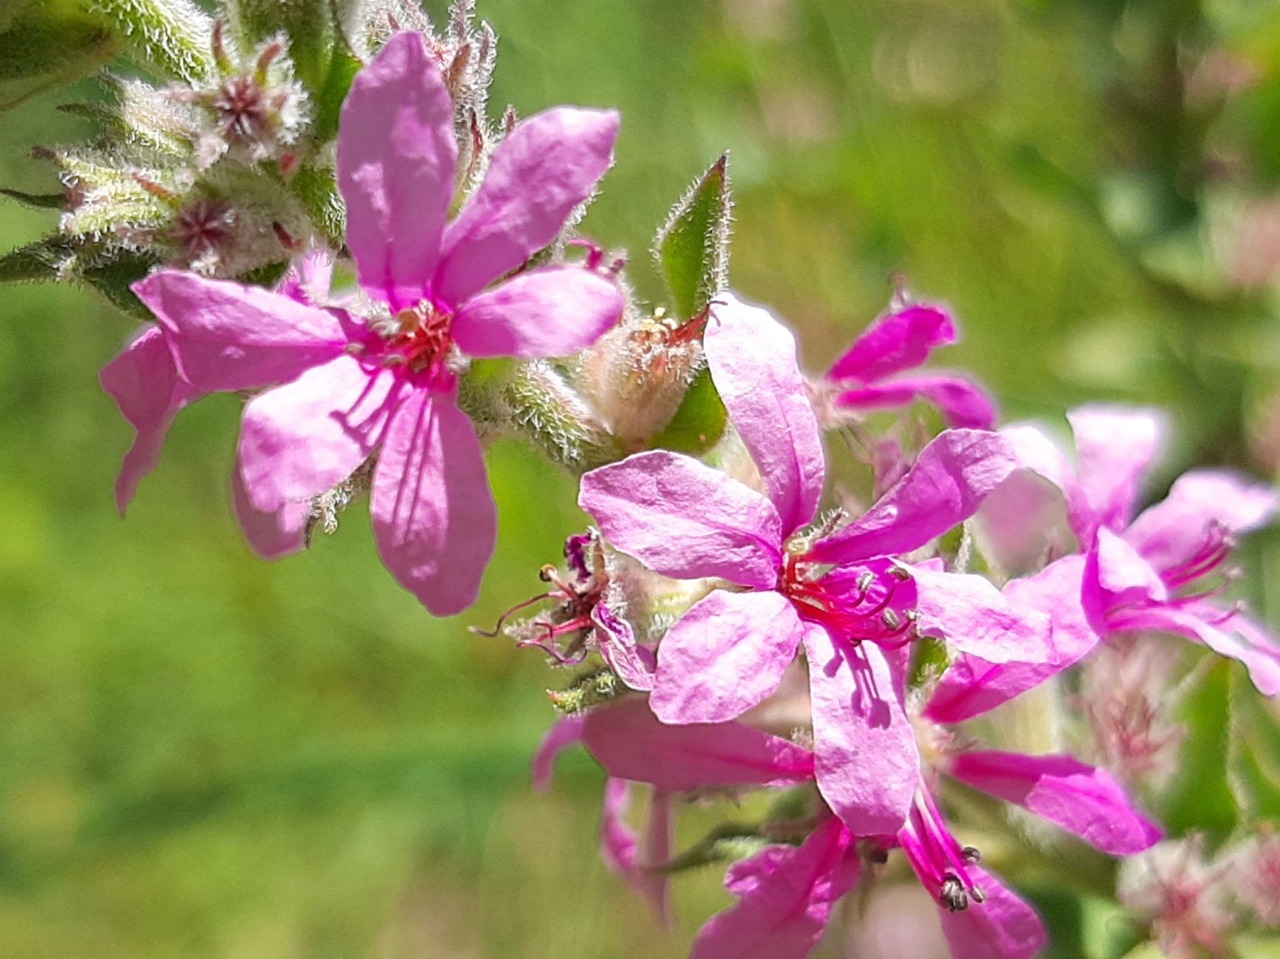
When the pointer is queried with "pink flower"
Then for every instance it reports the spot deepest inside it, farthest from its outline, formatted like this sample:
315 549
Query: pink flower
866 376
786 893
386 384
1147 573
841 597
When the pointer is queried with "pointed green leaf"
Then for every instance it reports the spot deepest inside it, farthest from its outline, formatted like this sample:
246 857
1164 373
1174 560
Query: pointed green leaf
37 201
343 67
52 40
35 262
317 189
692 249
1200 799
114 277
699 421
1254 761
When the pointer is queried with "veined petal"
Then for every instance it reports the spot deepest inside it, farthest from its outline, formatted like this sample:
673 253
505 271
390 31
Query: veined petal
635 664
305 437
1200 503
433 515
630 743
753 364
899 341
226 336
867 761
949 480
548 312
1232 635
975 618
785 896
972 686
1035 451
724 656
1082 799
1002 927
396 160
544 168
271 536
964 404
683 519
1114 447
144 382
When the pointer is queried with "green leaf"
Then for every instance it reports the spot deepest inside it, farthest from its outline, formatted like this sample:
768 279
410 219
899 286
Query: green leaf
316 188
692 249
1200 799
114 277
38 201
699 421
172 37
343 68
53 40
1254 761
36 262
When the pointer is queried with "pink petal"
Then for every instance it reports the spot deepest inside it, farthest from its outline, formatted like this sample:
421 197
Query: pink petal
964 404
544 168
754 367
867 762
630 743
899 341
144 382
634 663
1117 575
1199 504
549 312
396 159
1082 799
1002 927
949 480
724 656
1114 447
974 618
225 336
1230 635
785 897
566 732
635 859
972 686
305 437
433 515
274 535
684 519
1034 451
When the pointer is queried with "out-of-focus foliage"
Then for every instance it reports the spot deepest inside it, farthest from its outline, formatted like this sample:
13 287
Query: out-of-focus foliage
201 755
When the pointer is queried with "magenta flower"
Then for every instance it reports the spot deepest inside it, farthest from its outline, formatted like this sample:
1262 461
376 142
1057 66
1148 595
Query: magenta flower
386 384
866 376
786 893
1147 573
841 597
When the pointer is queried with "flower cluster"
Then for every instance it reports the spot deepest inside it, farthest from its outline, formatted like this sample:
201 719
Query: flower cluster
740 621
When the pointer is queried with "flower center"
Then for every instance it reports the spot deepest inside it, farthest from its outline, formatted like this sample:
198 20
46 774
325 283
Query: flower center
420 339
857 604
1214 550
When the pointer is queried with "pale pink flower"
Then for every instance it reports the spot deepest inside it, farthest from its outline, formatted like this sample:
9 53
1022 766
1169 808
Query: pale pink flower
1148 572
356 387
840 597
868 375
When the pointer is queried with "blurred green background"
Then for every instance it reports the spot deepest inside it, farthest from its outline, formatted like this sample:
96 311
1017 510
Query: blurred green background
203 755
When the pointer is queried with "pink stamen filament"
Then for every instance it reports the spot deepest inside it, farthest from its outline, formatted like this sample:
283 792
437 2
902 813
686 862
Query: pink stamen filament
845 615
937 858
